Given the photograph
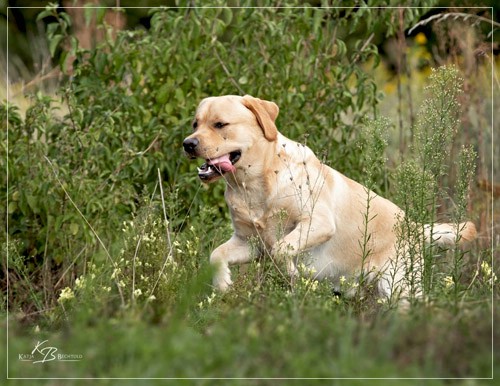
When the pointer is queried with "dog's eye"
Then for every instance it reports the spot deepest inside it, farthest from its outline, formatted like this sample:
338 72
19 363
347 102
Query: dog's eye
220 125
195 125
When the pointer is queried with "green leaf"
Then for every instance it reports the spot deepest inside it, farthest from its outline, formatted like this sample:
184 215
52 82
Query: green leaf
63 62
12 207
52 29
227 15
162 95
54 43
74 44
88 14
67 20
32 203
341 48
45 13
179 95
169 109
74 228
100 13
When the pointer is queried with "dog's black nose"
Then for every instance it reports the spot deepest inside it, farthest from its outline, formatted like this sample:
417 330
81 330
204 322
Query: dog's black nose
190 145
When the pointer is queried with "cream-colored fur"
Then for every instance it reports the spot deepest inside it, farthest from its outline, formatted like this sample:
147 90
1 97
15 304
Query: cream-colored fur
299 208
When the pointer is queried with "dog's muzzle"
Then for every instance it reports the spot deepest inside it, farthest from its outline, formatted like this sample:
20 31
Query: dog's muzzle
190 145
215 167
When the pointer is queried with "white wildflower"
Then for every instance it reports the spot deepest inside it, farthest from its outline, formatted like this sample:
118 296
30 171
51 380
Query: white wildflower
66 294
488 273
486 269
211 298
116 272
448 282
80 282
314 285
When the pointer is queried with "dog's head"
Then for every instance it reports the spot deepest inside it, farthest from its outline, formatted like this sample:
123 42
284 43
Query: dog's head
227 131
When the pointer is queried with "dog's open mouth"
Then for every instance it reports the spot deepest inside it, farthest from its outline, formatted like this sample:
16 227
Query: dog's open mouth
216 167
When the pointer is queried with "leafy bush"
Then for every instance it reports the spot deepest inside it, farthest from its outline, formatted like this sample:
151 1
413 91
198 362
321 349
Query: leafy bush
79 167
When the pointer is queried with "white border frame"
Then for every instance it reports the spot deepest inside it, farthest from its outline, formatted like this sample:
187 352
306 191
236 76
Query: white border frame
280 378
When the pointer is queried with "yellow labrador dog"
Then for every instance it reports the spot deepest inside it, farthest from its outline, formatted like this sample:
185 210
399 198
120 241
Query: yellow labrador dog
299 208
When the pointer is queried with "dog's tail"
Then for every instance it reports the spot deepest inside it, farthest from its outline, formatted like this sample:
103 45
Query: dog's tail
450 234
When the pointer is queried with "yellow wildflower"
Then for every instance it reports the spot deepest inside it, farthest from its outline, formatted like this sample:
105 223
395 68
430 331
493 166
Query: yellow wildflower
421 39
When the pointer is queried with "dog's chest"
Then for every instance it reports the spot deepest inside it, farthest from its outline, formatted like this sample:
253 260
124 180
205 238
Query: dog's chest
253 217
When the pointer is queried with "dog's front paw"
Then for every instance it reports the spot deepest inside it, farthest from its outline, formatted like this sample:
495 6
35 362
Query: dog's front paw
222 282
281 249
284 252
222 274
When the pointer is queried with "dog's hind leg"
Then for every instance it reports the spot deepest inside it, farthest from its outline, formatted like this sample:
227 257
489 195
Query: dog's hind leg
400 281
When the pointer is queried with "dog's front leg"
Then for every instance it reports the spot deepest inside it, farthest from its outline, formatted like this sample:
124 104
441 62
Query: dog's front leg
308 234
233 251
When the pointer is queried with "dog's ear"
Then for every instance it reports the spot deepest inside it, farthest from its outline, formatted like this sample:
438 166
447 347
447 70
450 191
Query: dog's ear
266 113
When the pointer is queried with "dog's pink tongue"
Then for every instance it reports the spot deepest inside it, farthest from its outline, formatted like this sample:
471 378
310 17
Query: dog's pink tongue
223 163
